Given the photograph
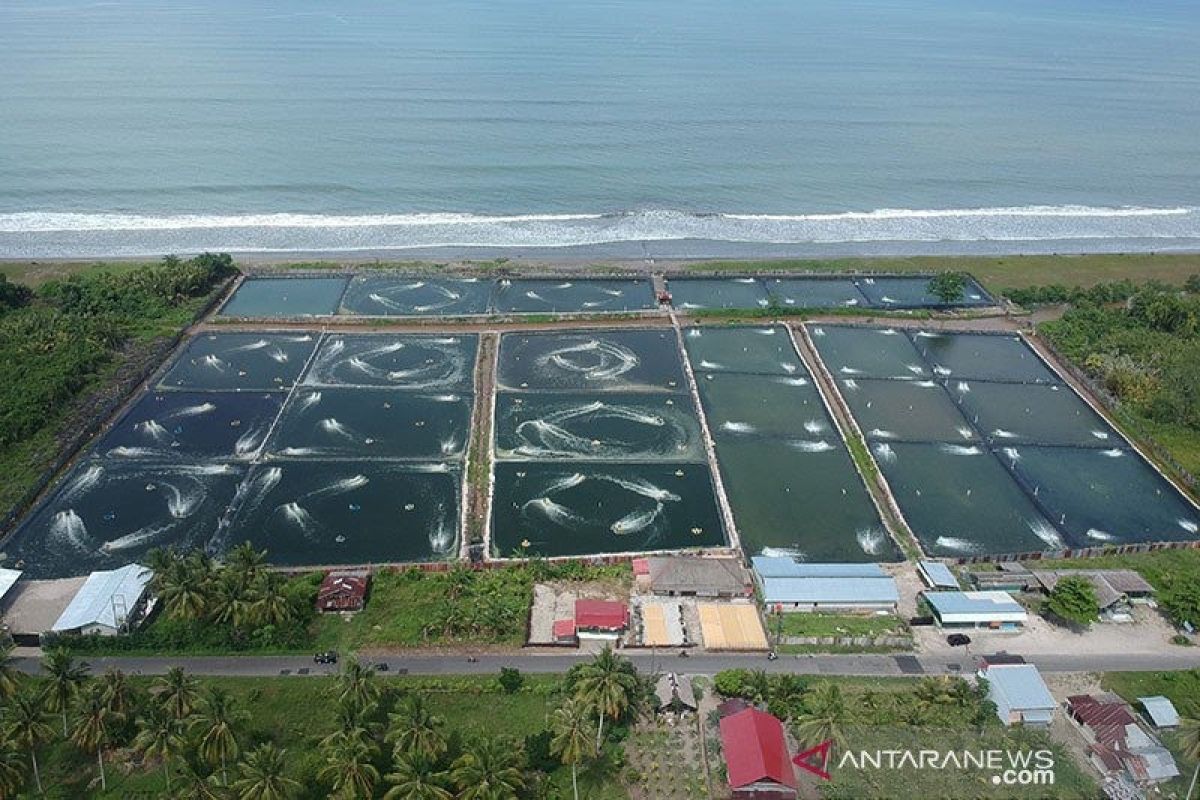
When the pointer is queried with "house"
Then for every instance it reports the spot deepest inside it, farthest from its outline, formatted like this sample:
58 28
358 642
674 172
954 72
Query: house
673 691
1116 743
937 575
108 603
600 619
697 576
995 610
1020 694
757 760
1161 711
343 590
789 585
1011 576
1115 589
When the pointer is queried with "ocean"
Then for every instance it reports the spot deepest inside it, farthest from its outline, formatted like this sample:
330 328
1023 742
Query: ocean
620 127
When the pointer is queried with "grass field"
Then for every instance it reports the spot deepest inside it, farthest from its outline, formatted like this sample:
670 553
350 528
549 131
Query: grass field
836 624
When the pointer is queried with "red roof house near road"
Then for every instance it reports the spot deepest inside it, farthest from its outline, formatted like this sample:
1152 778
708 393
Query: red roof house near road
601 615
343 590
756 756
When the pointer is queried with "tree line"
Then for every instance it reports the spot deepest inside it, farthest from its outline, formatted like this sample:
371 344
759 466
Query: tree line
383 739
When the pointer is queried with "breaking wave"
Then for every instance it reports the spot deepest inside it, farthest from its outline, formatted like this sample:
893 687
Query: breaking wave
33 233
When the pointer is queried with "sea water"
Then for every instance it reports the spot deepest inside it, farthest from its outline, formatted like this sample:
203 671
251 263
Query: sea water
149 126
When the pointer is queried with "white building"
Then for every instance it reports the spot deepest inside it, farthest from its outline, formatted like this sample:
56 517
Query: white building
107 603
995 610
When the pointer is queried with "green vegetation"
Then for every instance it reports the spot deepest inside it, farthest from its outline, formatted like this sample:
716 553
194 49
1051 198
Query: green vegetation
1146 353
1174 574
354 735
837 625
239 607
1073 601
948 286
61 341
936 713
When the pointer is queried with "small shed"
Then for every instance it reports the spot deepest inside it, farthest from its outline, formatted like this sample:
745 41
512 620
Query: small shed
995 610
108 603
343 590
756 753
564 631
674 691
1161 711
1020 694
937 575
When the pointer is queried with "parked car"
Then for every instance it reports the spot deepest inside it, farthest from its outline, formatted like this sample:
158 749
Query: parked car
958 640
327 657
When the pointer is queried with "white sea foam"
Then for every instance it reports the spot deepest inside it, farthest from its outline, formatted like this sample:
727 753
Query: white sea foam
1045 531
62 233
871 541
815 426
737 427
636 521
956 544
959 450
884 452
555 512
1100 536
1189 525
805 446
193 411
154 430
67 527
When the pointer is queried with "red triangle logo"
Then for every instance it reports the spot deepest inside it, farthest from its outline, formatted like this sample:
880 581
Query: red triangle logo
815 759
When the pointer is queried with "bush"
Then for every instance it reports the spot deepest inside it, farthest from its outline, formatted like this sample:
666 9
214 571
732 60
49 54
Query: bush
511 680
1073 600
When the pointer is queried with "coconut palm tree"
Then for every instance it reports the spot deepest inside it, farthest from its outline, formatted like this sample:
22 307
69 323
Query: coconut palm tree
414 729
262 775
1188 737
186 586
160 561
25 725
572 741
196 783
608 684
246 562
217 720
825 712
94 722
8 673
229 601
271 605
177 691
355 683
63 678
493 769
413 778
118 694
348 768
160 736
12 767
355 719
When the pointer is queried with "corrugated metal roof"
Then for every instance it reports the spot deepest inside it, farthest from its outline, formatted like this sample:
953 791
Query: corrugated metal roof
985 606
1161 710
785 567
755 749
830 590
8 579
103 596
606 615
938 574
1021 686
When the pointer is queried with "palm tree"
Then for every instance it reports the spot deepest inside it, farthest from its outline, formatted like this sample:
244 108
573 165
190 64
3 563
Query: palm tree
1188 737
348 766
27 728
271 605
825 711
160 736
262 775
12 767
186 586
93 725
160 562
229 603
491 770
354 719
8 673
63 679
118 694
217 720
245 562
608 684
177 691
197 785
415 730
572 741
355 684
413 778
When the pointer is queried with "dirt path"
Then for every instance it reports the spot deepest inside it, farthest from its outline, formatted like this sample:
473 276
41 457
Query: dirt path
477 483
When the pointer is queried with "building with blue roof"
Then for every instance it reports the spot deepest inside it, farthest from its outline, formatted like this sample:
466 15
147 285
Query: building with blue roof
787 567
996 610
1020 694
937 575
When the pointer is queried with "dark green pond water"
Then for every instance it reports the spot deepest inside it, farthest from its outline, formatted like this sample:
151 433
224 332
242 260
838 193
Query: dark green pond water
400 296
1026 413
426 363
918 411
580 508
193 426
572 296
603 360
868 352
241 362
285 297
766 349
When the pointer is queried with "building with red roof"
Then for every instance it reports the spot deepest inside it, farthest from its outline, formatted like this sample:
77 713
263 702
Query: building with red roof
756 756
564 630
343 590
1117 743
601 616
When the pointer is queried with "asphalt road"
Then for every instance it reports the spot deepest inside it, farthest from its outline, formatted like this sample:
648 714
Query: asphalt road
867 665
